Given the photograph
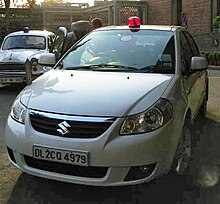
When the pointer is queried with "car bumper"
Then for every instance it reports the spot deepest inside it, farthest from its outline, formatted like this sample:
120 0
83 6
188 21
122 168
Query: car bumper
115 160
12 77
15 77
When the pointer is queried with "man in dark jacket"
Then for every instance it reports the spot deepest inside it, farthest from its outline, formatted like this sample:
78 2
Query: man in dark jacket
96 23
78 30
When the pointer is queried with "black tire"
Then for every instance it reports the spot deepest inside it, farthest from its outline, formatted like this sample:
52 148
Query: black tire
203 107
183 153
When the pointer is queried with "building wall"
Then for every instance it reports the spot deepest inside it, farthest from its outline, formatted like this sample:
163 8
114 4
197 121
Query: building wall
159 12
198 12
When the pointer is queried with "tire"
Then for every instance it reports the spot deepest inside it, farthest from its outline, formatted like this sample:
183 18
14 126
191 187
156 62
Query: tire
183 153
203 107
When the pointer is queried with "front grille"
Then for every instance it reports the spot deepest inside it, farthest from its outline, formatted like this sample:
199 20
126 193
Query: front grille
12 67
67 169
80 127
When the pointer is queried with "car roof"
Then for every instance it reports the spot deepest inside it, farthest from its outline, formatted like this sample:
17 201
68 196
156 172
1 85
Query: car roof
32 32
143 27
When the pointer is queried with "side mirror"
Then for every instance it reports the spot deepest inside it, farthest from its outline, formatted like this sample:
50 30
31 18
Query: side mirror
198 63
47 60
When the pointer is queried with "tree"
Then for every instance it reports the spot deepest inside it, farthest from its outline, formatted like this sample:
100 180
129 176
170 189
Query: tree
53 1
7 6
1 4
31 3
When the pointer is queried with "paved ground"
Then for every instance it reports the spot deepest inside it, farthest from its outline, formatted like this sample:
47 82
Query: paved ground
17 188
8 174
214 99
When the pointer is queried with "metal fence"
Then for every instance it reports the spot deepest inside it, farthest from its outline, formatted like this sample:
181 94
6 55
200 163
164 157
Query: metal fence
111 13
18 18
52 16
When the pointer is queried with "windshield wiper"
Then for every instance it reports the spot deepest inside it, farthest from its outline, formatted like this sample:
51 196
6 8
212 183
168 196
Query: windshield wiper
114 67
89 67
148 69
156 69
19 47
11 48
103 67
121 68
37 48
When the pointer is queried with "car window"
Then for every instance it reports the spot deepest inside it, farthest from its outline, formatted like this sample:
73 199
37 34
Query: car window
24 42
186 52
192 43
145 50
189 49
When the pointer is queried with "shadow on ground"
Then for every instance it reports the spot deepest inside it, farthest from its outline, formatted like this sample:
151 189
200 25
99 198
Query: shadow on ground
12 87
169 189
30 190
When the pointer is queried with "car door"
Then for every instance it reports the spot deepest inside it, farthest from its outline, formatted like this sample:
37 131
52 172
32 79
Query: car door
194 82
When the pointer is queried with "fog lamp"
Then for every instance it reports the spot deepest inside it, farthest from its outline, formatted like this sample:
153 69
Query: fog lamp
34 69
144 169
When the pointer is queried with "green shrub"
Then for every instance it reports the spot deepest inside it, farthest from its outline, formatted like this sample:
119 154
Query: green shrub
206 55
215 58
210 58
218 58
216 22
202 53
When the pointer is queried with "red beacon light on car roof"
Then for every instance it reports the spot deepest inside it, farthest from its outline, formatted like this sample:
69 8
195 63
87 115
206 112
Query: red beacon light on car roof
134 22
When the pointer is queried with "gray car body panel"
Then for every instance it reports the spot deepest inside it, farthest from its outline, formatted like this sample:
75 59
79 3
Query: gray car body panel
89 93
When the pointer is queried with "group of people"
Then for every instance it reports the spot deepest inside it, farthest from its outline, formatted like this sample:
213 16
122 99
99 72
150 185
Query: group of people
79 29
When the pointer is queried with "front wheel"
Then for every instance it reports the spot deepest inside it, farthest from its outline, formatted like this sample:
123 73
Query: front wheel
203 108
183 153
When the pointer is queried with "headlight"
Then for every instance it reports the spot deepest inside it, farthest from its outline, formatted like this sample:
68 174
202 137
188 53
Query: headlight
150 120
18 111
34 61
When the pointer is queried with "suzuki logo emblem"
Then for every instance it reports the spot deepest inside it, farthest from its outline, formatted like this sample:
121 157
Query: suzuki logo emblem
63 128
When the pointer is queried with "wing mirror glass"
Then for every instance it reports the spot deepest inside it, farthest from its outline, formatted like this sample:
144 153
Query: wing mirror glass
198 63
47 60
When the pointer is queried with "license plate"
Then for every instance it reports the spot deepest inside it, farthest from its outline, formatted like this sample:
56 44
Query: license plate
11 80
61 155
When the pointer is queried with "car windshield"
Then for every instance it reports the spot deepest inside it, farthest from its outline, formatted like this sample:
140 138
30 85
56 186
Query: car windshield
123 50
24 42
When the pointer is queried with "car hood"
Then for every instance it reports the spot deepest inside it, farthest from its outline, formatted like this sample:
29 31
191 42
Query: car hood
93 93
19 55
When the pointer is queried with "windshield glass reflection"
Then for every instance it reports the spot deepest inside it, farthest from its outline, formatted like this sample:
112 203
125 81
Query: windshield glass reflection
123 50
25 42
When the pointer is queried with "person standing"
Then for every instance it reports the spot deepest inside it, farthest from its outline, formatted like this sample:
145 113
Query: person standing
78 30
3 34
96 23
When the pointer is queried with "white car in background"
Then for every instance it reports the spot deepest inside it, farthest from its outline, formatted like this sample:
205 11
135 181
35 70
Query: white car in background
17 48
